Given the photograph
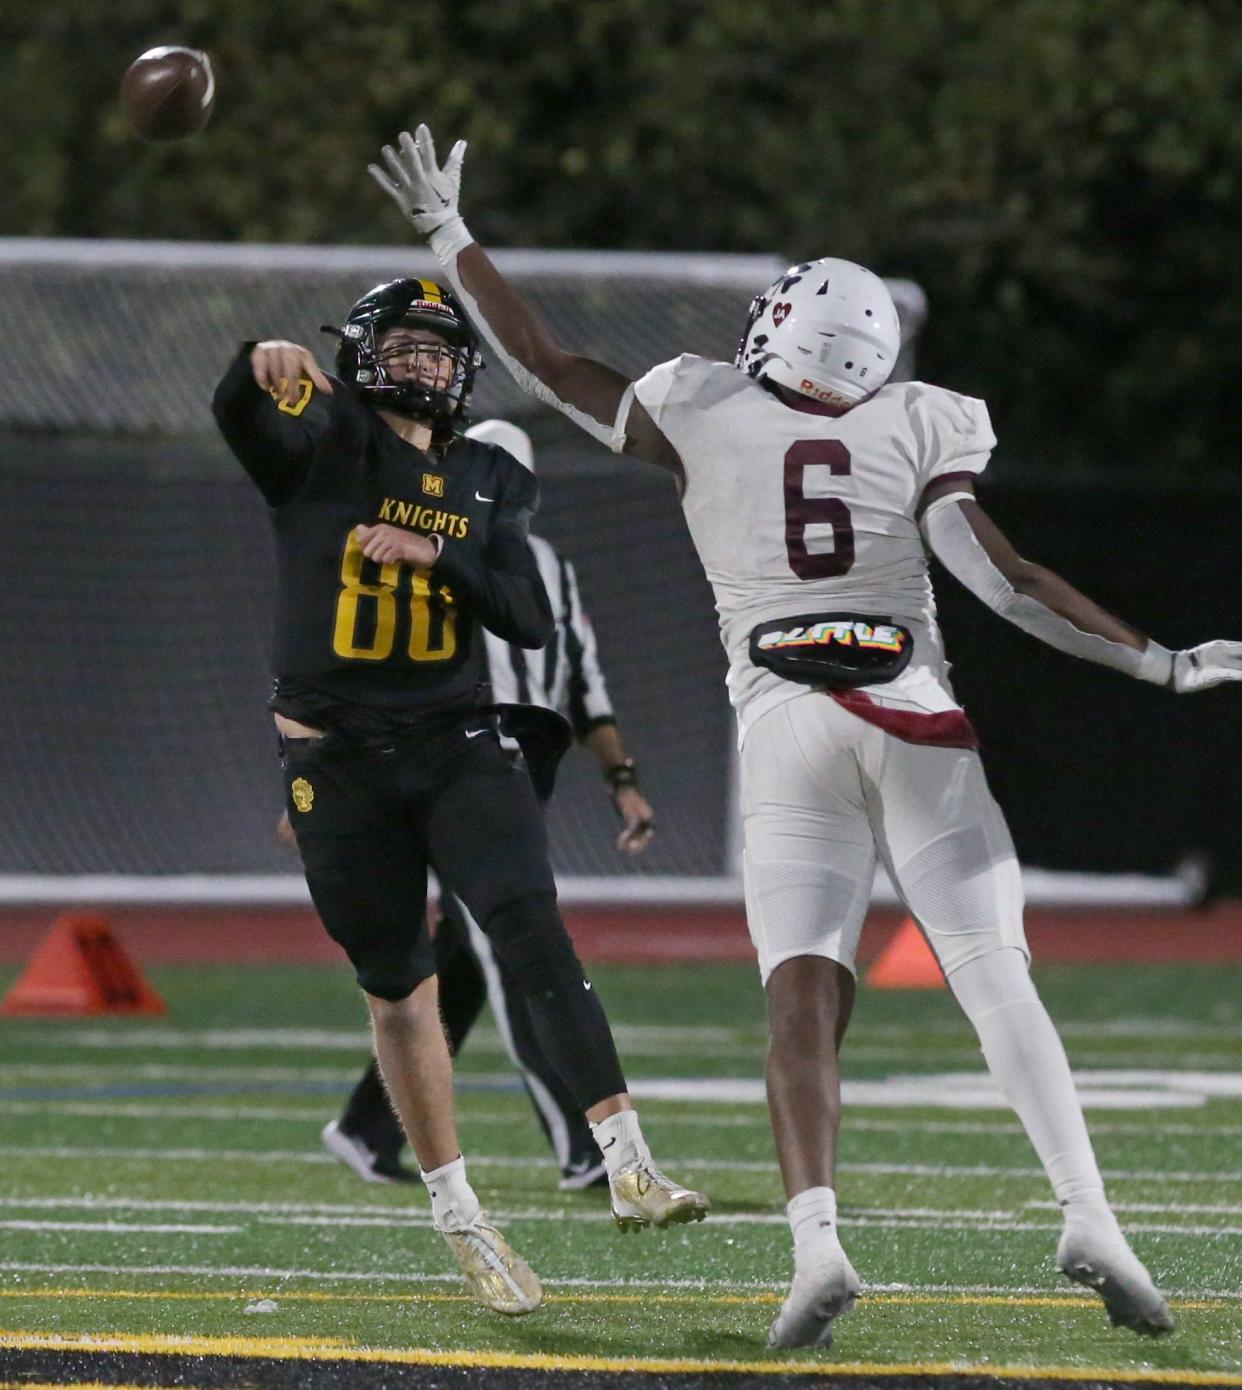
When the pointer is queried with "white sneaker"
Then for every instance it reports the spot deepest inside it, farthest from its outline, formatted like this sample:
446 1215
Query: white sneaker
368 1162
586 1172
825 1286
643 1196
1094 1252
495 1273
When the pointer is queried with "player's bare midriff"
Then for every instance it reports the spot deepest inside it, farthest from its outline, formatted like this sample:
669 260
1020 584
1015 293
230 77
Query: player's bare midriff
292 729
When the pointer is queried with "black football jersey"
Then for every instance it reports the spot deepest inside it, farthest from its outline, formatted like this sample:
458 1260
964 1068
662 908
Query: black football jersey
350 631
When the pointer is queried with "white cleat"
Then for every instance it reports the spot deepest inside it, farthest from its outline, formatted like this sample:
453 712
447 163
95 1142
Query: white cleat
495 1273
825 1287
643 1196
1094 1253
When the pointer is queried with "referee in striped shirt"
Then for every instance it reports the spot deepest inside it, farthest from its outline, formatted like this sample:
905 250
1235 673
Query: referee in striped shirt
564 676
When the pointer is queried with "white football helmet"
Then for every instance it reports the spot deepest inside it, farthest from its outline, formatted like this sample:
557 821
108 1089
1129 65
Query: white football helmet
509 437
827 329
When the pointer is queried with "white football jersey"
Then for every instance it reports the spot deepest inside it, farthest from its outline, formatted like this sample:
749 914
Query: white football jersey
797 512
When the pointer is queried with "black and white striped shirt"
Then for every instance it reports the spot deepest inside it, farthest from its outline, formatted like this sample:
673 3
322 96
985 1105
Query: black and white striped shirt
565 675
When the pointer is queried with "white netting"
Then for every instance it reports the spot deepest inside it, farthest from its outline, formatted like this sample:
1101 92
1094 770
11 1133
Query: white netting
130 336
136 577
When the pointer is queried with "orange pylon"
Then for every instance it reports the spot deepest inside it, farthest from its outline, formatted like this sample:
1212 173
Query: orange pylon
80 968
906 962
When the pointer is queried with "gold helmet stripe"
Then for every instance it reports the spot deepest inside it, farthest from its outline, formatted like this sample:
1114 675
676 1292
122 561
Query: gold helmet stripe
431 291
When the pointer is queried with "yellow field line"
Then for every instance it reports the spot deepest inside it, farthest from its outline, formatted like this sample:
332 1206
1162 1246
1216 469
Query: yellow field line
908 1300
330 1349
67 1385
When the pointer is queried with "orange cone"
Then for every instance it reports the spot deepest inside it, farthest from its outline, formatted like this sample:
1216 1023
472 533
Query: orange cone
80 968
906 962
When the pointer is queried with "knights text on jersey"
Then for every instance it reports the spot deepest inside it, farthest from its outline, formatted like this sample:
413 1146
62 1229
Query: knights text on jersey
794 512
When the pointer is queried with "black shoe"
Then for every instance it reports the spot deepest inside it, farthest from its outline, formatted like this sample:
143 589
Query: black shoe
370 1163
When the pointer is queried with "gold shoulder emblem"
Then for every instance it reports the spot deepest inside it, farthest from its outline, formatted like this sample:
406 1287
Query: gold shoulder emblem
303 794
433 485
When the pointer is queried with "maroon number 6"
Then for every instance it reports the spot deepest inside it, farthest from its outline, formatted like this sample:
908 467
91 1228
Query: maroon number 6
802 511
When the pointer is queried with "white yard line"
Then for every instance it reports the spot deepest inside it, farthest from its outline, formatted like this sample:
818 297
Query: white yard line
168 1110
125 1110
121 1228
1158 1130
267 1274
131 1073
394 1218
932 1170
853 1222
672 1035
146 1110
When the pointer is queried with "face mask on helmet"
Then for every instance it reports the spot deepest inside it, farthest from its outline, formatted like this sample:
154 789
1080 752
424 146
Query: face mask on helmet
827 329
434 379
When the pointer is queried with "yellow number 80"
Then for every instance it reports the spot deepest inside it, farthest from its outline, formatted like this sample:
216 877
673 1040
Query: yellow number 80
426 604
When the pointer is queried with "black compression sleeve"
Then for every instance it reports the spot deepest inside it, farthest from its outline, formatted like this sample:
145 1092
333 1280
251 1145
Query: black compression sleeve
504 586
273 443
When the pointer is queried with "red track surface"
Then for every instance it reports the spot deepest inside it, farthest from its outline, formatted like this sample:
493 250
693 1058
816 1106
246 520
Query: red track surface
178 935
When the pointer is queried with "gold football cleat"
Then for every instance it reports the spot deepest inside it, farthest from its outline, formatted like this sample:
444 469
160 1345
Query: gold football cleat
643 1196
495 1273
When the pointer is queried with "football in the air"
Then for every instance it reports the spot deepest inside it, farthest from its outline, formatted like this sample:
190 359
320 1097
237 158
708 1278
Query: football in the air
167 93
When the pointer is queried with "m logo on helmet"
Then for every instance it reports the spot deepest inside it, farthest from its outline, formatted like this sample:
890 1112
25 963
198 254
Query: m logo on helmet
433 486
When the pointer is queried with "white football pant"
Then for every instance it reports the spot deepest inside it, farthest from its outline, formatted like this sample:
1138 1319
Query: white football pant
824 793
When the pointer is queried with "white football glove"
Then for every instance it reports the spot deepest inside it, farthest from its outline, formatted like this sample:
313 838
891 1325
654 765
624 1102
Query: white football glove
1196 668
426 193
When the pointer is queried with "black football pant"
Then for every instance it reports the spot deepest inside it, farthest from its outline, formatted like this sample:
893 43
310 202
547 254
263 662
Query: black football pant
371 820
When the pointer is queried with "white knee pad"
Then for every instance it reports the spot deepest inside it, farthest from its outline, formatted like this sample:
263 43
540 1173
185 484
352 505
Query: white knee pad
992 981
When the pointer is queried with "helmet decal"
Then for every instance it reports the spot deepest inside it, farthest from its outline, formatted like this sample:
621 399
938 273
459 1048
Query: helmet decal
826 328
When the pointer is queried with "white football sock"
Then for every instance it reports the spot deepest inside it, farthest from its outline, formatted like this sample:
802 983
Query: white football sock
621 1141
812 1218
1025 1056
453 1203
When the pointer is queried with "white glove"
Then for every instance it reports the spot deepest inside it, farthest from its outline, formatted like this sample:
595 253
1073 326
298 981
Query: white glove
424 192
1197 668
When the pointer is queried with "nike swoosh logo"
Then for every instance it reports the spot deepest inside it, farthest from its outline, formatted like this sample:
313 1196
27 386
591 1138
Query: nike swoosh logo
474 733
480 498
586 984
611 1142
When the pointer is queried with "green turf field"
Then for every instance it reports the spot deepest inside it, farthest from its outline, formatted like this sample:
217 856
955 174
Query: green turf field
157 1176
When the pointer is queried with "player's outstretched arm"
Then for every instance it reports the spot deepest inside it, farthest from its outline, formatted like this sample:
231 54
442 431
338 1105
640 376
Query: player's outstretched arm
975 550
593 395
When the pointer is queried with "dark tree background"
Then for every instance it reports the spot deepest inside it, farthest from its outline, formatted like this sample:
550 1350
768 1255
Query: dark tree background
1063 176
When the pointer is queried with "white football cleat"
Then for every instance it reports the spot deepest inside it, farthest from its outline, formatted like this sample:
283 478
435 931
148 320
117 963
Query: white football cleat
495 1273
825 1287
1094 1253
643 1196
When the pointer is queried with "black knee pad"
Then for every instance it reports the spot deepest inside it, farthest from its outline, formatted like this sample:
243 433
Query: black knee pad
532 944
567 1018
394 977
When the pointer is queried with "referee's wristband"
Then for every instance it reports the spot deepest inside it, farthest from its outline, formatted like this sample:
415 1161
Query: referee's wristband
620 775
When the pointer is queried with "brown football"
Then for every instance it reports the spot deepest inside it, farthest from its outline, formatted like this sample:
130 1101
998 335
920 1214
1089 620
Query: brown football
168 93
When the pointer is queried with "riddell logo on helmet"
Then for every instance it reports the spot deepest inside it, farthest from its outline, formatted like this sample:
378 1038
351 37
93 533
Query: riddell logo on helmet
819 393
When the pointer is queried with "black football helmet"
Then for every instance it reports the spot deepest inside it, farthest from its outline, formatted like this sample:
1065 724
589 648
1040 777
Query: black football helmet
410 303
